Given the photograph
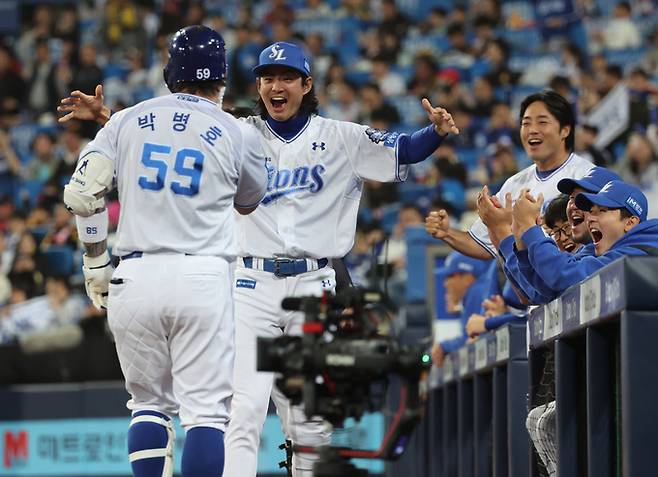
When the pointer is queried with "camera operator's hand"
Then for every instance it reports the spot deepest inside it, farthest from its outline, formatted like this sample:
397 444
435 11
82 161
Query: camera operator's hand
438 355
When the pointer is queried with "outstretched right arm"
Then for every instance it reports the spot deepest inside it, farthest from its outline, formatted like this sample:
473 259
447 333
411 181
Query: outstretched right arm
437 224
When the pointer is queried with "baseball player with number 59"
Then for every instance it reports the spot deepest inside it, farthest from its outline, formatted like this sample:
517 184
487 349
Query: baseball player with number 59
316 172
181 166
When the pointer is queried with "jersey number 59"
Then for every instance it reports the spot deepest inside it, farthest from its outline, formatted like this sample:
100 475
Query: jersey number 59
193 171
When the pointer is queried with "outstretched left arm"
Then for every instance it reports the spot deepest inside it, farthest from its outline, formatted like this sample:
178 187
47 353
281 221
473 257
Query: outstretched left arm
422 143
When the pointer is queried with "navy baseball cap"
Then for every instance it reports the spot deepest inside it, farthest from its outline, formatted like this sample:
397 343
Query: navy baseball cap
616 195
593 181
460 263
283 53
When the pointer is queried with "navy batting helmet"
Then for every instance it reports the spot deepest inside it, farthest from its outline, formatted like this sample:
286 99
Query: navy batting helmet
196 53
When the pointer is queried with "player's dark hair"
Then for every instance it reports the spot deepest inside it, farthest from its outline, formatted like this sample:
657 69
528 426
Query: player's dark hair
310 105
556 211
615 71
625 213
200 88
558 107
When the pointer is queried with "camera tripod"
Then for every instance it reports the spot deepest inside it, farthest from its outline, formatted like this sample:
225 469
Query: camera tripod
331 464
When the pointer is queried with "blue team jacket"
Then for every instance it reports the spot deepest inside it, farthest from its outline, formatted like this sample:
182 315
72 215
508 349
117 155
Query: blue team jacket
511 300
482 288
516 265
560 270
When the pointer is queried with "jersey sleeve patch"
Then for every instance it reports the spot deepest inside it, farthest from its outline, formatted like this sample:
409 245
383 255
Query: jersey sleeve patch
382 136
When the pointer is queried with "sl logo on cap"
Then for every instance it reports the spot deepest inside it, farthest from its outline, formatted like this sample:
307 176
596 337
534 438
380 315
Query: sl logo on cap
277 53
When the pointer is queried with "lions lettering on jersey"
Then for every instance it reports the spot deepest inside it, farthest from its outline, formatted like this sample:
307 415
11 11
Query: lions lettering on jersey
282 182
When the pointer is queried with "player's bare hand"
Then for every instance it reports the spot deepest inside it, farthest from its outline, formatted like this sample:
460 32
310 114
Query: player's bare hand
494 306
441 118
527 210
79 105
437 224
438 355
496 217
475 325
490 210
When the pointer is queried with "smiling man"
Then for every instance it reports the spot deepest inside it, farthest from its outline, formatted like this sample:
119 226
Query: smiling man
547 133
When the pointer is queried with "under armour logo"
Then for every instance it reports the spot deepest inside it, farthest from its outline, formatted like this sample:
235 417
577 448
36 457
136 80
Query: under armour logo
83 167
326 283
316 145
277 53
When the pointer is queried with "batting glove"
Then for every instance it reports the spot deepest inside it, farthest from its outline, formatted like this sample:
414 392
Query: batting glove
98 273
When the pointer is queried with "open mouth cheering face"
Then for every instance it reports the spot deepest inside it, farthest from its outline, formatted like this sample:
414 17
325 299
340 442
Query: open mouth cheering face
541 134
577 219
606 226
282 90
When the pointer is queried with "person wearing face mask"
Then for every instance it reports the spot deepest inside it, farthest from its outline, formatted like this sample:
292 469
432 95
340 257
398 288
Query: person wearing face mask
617 222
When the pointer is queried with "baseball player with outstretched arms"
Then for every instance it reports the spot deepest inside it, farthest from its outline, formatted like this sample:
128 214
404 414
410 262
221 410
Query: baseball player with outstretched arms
182 165
316 171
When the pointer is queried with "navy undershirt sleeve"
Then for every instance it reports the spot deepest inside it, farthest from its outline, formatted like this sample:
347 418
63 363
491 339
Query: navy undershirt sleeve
419 146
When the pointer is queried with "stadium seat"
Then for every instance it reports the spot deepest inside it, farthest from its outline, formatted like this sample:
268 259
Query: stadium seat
627 58
7 185
57 261
410 192
523 39
39 233
29 191
389 218
417 240
409 108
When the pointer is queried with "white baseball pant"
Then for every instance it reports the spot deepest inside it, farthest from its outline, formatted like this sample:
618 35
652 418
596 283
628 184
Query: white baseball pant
258 312
172 320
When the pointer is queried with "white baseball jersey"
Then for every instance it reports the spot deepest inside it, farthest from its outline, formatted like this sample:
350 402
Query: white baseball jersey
314 188
181 163
575 167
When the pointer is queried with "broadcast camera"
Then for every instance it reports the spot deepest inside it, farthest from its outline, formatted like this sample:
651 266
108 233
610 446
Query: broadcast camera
340 366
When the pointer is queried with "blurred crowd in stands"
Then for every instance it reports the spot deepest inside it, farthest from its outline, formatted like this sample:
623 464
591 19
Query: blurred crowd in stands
372 62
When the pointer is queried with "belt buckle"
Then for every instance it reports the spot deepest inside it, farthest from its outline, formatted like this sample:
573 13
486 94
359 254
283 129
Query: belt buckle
277 267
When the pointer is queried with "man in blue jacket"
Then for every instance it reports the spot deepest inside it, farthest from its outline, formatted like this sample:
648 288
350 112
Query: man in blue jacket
466 283
517 266
617 222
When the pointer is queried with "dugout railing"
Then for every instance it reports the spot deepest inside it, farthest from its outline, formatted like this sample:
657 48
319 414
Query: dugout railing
477 407
602 334
594 351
